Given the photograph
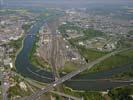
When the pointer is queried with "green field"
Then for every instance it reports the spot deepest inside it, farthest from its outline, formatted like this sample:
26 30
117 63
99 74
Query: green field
89 54
40 62
114 61
69 67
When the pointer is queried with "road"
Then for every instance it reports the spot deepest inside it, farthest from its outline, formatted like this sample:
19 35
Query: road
34 83
4 86
37 94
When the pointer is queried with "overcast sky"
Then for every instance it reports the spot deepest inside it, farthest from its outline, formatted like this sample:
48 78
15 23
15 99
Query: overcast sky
66 2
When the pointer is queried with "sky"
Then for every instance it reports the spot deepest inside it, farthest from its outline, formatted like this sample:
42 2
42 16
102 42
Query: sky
66 2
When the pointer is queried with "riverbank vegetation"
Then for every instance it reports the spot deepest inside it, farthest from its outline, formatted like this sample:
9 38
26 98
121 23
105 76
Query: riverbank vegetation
87 95
124 75
69 67
26 27
122 93
36 60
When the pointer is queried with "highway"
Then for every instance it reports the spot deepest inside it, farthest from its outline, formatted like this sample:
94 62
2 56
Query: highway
34 83
37 94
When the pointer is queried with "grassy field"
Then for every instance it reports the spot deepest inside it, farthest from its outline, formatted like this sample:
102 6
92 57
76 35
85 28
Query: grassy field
117 60
69 67
37 61
90 54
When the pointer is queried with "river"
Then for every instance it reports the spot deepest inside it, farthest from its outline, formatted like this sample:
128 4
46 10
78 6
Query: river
26 69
